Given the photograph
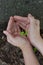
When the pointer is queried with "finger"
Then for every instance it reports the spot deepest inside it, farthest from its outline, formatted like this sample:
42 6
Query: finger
6 33
37 22
8 38
30 15
21 25
31 19
10 23
18 28
14 29
19 18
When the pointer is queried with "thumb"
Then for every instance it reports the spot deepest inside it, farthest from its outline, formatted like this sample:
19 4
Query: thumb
6 33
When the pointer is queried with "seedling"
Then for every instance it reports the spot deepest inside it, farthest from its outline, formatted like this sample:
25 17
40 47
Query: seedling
23 33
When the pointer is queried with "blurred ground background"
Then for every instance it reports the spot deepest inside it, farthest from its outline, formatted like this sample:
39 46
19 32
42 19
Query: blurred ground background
17 7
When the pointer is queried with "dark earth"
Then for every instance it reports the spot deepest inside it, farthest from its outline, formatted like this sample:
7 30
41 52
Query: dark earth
11 55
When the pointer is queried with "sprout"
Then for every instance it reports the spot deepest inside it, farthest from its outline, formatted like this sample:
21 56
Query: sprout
23 33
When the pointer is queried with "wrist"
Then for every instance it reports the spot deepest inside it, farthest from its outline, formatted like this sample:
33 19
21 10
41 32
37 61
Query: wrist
26 47
38 43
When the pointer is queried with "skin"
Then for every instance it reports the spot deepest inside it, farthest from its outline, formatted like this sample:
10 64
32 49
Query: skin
32 26
13 37
12 33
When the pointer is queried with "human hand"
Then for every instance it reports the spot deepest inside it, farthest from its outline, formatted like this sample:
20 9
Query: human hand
31 25
13 34
33 29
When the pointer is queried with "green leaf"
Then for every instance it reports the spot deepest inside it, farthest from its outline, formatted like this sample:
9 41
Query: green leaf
22 33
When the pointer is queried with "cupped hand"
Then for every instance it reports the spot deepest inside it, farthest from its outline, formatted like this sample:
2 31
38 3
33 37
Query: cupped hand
31 25
13 34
